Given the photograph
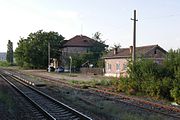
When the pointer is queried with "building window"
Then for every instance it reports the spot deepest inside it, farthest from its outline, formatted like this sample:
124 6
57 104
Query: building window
124 66
109 66
155 52
157 62
117 66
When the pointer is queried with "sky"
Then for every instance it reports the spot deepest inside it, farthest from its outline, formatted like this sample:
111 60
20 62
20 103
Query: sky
158 20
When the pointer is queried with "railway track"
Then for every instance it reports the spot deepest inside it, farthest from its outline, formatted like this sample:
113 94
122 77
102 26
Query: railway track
169 111
48 106
143 104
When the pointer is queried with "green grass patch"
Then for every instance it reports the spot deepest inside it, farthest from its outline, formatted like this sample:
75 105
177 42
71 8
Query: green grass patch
91 83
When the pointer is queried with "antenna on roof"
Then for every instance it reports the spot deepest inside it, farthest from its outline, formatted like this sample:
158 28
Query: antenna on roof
81 29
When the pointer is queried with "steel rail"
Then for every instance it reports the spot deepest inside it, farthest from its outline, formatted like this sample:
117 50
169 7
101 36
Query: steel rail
44 112
73 111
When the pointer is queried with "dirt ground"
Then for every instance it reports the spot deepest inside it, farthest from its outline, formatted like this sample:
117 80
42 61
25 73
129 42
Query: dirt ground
64 76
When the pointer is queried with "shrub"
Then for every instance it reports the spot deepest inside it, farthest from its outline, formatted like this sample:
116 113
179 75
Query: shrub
149 78
4 64
142 74
175 92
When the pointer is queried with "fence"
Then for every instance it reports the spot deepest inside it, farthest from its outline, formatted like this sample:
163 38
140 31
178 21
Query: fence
94 71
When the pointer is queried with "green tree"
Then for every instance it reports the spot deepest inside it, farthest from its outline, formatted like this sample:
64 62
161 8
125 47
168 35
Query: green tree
99 48
94 54
22 53
33 51
97 37
9 56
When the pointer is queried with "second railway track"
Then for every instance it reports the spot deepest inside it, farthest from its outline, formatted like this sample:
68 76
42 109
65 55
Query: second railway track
50 107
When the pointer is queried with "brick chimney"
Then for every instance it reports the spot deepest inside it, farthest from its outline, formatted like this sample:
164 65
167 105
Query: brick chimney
131 50
115 50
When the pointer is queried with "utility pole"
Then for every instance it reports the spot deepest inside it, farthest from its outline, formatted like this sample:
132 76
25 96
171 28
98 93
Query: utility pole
48 54
70 64
134 37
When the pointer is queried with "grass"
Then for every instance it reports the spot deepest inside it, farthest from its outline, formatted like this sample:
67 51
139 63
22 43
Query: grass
91 83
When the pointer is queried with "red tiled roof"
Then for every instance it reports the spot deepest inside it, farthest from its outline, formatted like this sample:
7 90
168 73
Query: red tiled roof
125 52
79 41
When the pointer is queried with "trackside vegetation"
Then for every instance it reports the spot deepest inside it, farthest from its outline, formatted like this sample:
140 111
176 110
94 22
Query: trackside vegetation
152 79
146 78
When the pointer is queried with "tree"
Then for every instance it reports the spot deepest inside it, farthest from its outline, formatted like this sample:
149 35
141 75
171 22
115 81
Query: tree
98 49
22 53
116 46
97 37
9 56
94 54
33 51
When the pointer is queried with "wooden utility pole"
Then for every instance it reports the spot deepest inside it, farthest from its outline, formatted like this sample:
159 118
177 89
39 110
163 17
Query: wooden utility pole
134 38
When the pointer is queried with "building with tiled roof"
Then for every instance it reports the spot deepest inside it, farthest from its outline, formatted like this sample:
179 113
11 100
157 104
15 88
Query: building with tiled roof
79 41
116 60
79 44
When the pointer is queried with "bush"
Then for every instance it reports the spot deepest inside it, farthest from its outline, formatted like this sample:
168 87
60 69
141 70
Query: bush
4 64
123 85
151 86
143 75
149 78
166 86
175 92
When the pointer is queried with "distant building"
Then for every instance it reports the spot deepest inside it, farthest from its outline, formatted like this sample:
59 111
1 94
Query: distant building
2 56
77 45
116 61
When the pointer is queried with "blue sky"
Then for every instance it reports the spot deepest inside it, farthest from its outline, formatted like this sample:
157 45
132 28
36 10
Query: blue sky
158 20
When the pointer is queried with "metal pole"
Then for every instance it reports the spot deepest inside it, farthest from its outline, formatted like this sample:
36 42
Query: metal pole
70 64
48 57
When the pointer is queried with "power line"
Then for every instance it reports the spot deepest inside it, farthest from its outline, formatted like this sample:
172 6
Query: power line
161 17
